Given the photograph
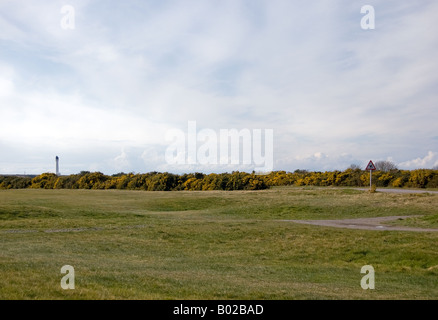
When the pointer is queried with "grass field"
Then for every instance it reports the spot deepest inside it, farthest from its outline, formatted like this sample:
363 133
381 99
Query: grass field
213 245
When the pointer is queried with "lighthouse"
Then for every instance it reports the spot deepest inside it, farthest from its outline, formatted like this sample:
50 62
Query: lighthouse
57 166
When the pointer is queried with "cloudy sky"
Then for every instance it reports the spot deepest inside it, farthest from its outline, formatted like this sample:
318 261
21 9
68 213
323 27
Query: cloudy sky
101 83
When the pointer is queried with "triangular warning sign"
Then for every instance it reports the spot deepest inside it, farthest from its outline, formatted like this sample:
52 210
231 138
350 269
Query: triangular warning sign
371 166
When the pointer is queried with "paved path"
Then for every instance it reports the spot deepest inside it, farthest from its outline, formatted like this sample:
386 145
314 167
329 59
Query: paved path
376 223
400 190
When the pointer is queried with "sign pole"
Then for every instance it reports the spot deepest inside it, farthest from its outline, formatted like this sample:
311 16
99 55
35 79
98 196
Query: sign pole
370 167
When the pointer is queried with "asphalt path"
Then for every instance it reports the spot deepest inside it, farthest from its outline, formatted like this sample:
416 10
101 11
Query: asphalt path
400 190
375 223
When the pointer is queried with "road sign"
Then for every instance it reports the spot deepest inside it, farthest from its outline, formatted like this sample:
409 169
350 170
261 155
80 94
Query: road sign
371 166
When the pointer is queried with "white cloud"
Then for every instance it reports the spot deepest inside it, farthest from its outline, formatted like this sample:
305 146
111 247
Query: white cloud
429 161
121 162
127 73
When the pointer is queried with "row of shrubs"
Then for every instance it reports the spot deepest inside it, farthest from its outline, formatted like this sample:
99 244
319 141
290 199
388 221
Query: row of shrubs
159 181
419 178
153 181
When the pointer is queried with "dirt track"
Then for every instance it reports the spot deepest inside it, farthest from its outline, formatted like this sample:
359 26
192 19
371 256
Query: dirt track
364 224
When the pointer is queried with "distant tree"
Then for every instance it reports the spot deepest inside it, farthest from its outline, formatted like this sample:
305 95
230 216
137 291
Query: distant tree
385 166
94 180
44 181
120 174
435 167
354 166
67 182
199 175
14 182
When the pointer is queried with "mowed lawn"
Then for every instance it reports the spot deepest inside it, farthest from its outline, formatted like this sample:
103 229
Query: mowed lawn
213 245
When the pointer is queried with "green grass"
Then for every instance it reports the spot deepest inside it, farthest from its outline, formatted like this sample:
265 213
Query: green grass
213 245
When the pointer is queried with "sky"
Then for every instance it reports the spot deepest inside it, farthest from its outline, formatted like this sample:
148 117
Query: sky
102 83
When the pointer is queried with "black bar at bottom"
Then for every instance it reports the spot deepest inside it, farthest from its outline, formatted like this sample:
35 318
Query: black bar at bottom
213 309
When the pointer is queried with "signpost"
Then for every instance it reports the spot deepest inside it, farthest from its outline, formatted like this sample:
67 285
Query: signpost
370 167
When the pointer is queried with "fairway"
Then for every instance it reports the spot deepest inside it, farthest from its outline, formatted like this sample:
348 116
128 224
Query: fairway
214 244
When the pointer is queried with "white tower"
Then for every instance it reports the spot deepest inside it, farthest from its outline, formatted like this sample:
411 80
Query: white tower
57 166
